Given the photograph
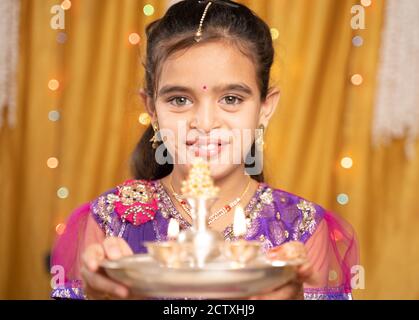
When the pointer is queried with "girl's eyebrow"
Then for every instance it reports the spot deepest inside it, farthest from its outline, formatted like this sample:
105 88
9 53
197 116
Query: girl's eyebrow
170 89
229 87
235 87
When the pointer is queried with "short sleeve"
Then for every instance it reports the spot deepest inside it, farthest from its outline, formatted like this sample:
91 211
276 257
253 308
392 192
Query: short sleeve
333 251
81 231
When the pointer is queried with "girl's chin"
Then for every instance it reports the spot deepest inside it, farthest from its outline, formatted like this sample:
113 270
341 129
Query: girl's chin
219 171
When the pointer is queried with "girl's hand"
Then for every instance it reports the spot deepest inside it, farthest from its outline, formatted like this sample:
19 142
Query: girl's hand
96 284
292 290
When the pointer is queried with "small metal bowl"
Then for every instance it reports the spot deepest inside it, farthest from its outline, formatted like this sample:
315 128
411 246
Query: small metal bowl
241 251
167 254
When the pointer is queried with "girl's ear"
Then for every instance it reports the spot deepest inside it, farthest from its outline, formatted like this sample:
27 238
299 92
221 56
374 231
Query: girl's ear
269 106
148 104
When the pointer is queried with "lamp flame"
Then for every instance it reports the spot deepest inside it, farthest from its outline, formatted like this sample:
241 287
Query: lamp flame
239 224
173 229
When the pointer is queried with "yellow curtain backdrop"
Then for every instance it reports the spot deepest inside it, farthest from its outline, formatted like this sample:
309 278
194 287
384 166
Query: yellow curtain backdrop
321 118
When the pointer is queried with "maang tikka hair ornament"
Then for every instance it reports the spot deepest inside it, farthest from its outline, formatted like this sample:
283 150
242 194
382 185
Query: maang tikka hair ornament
198 35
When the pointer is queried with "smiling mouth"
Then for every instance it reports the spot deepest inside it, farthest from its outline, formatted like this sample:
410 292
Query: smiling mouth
207 149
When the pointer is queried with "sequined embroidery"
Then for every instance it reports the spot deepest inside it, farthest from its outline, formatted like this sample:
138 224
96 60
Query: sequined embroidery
308 222
330 293
102 210
72 290
134 202
166 206
328 296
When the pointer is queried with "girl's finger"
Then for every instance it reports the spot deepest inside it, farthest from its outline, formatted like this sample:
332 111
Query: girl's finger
102 284
286 292
92 257
125 248
305 270
296 250
288 251
93 294
116 248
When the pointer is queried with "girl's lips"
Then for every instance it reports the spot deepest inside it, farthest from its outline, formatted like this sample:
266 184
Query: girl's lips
203 141
206 147
206 150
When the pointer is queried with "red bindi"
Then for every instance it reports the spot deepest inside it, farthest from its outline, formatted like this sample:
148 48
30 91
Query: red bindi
205 88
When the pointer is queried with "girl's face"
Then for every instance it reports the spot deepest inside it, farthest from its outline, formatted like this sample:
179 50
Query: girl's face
208 105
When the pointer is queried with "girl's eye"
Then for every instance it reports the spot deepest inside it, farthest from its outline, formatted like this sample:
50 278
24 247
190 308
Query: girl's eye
232 100
180 101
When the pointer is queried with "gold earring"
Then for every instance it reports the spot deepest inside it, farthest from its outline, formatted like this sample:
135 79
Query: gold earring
154 140
259 136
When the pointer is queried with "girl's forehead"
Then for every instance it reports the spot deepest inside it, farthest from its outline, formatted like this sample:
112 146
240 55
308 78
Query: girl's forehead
208 65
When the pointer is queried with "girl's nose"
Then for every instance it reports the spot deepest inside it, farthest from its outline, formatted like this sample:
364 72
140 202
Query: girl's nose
206 117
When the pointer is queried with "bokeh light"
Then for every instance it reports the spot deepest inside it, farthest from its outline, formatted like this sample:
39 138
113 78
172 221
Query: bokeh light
343 199
60 228
53 84
54 115
148 10
63 193
357 79
337 235
274 33
61 37
366 3
134 38
333 275
357 41
52 163
346 162
66 4
144 119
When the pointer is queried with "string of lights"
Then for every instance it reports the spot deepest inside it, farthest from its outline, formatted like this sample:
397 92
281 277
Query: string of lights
347 162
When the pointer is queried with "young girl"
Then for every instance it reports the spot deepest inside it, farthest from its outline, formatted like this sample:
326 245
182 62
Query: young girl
207 91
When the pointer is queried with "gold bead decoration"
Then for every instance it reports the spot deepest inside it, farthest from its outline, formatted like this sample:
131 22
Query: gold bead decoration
199 182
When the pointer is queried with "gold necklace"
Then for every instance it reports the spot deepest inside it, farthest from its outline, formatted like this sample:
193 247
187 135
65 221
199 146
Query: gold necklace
216 215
